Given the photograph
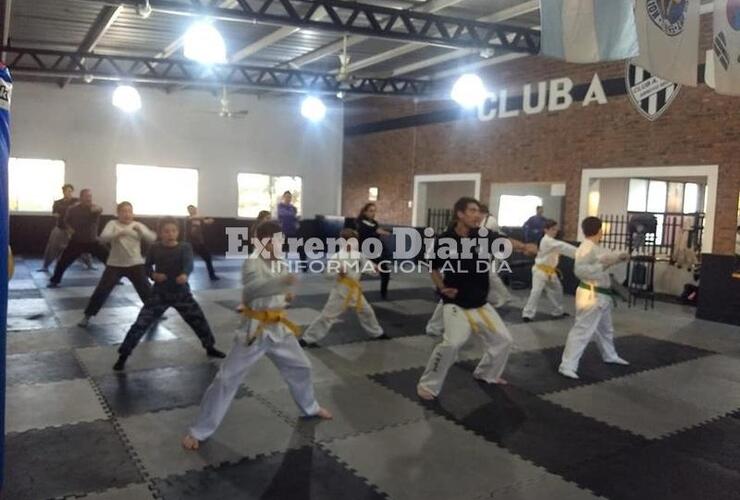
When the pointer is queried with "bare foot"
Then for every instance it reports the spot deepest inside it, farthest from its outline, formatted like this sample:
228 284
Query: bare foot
190 443
324 414
424 394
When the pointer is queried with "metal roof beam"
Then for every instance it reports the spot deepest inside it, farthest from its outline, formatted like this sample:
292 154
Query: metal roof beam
334 47
106 17
56 64
502 15
369 20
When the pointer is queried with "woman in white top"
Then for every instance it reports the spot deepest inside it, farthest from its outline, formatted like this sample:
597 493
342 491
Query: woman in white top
125 260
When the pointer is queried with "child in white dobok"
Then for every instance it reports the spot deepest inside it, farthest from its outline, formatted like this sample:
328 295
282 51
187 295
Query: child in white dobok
346 267
267 332
594 299
545 273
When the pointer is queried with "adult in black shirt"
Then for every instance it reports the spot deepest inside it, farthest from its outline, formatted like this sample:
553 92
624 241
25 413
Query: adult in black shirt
59 236
82 220
368 227
195 228
461 278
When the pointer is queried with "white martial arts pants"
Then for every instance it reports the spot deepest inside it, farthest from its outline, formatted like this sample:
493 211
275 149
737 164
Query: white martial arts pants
593 318
552 287
288 357
459 323
335 306
436 324
498 294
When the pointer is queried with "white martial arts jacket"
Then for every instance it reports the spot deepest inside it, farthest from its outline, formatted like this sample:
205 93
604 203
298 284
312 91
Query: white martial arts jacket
264 288
551 249
352 263
592 261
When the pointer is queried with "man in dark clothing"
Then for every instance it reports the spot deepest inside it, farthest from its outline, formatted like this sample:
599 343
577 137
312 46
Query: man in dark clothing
59 237
195 227
82 219
169 263
534 228
461 278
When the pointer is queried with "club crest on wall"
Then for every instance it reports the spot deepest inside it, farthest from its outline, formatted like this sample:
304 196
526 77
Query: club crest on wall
649 94
721 50
668 15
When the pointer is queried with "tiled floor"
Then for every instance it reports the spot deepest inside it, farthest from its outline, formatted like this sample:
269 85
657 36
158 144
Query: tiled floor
666 427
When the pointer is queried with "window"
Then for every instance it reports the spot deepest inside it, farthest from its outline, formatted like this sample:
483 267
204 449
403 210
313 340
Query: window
513 211
638 192
691 198
647 195
157 190
263 192
657 196
33 185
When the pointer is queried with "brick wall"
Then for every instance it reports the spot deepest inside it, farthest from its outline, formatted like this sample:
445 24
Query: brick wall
700 128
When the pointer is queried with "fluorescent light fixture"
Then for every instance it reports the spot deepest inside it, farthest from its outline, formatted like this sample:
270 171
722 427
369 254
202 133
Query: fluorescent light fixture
203 43
313 109
127 98
468 91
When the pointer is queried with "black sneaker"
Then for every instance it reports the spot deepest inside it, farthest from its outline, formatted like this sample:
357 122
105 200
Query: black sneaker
121 363
52 285
527 320
307 345
214 278
212 352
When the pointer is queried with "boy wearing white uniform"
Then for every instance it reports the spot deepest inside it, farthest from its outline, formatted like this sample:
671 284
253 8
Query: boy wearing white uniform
267 332
464 290
593 301
347 265
545 273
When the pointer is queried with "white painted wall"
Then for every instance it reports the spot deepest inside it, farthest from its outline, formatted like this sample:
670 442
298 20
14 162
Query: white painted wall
78 124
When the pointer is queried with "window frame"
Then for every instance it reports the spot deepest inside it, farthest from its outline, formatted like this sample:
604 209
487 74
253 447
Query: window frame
140 213
48 211
270 176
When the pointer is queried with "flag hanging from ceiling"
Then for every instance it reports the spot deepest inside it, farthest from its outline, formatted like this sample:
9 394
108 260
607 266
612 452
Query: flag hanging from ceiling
668 36
585 31
727 47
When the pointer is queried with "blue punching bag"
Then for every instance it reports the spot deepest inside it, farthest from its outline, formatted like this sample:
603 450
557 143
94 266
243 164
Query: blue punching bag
6 88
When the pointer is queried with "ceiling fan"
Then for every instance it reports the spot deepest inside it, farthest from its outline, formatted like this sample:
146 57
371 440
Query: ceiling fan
225 111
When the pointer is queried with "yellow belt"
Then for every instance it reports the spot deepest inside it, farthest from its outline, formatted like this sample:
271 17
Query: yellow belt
548 270
269 317
355 292
484 316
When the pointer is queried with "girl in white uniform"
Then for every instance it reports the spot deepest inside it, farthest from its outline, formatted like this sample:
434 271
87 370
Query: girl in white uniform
545 273
594 299
346 267
267 332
